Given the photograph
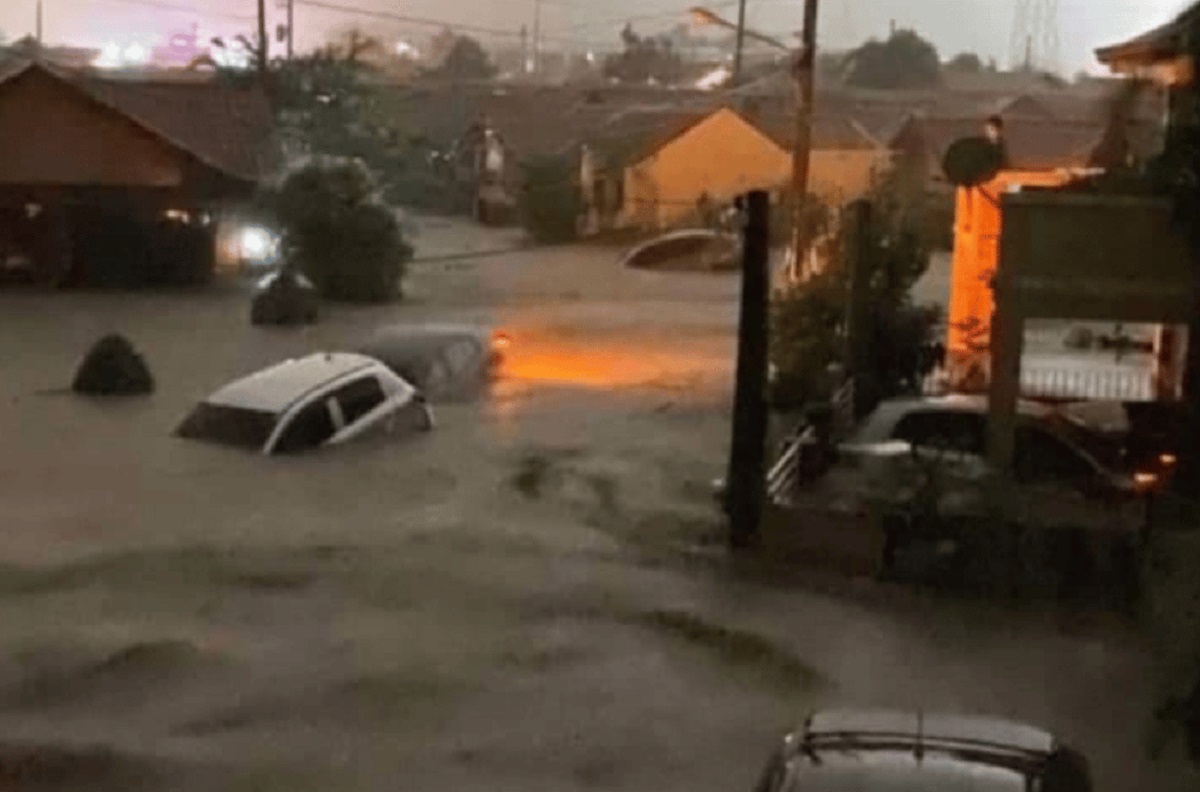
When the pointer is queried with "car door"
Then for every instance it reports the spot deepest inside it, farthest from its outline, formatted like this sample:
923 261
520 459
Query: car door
307 428
1056 482
362 404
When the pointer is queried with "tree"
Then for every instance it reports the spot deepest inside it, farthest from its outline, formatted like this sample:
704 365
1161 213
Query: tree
466 60
644 60
808 322
550 202
966 62
904 61
339 233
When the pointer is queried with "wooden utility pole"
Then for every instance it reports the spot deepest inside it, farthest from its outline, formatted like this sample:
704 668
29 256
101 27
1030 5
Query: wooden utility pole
858 309
747 464
805 68
739 46
263 41
291 28
537 36
39 22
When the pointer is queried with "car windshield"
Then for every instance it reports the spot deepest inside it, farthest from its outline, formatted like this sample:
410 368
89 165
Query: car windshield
235 426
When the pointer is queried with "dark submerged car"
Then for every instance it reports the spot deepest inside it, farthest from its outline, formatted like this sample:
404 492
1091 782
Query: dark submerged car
694 250
443 361
885 751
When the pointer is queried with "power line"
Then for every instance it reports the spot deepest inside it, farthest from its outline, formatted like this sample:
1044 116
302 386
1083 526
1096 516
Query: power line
412 20
183 9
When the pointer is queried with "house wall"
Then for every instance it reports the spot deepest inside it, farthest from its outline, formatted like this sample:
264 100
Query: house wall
51 134
842 176
722 156
977 231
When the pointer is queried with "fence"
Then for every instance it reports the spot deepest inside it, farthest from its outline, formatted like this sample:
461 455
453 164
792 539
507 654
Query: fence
784 477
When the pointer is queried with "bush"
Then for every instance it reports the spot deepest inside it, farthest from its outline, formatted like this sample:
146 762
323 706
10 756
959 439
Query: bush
808 327
550 203
113 368
338 232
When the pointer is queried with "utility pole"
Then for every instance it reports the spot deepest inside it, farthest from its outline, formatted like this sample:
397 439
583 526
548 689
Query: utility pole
537 36
746 478
291 27
263 42
740 44
39 22
804 75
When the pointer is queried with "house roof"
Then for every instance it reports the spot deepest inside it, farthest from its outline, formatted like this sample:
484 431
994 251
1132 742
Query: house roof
1033 144
830 131
1160 43
226 128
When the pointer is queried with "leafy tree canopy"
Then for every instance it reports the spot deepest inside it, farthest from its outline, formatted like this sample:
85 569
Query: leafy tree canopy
967 62
339 233
465 60
905 60
644 59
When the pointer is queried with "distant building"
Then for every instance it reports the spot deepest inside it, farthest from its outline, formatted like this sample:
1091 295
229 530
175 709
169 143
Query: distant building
656 168
121 181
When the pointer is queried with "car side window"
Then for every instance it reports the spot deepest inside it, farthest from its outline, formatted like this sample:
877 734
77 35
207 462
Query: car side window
943 430
1043 457
359 397
309 428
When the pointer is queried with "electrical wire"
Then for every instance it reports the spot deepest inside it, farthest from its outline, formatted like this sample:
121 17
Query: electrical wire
411 20
184 9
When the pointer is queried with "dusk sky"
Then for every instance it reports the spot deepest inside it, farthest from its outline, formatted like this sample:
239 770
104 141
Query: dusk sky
982 26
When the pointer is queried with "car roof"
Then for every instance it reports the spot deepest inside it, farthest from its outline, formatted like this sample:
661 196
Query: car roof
934 727
905 750
276 388
266 280
879 425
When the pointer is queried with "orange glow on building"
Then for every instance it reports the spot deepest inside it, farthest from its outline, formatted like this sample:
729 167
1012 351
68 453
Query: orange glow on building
976 256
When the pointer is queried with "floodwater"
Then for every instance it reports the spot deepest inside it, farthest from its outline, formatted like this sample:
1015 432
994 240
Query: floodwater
476 608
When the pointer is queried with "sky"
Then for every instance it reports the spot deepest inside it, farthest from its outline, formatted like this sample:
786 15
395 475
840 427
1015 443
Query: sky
982 26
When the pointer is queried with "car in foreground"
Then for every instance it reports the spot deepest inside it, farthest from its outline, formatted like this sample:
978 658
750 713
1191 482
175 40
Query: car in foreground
1051 449
304 403
897 751
693 249
443 361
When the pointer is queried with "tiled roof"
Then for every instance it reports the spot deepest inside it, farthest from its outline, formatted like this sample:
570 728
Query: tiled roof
1032 144
226 128
830 131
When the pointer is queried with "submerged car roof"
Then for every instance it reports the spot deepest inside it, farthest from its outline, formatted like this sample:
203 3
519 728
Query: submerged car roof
276 388
932 727
878 426
901 751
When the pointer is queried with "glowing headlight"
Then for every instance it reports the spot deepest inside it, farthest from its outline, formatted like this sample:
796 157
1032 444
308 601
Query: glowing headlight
258 245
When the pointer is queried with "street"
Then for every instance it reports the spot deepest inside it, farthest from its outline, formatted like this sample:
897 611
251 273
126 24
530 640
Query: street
492 606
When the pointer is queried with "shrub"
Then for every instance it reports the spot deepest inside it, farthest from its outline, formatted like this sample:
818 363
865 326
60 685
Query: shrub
338 232
550 203
808 327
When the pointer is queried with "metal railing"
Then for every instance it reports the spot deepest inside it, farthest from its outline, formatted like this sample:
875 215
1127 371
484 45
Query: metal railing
785 476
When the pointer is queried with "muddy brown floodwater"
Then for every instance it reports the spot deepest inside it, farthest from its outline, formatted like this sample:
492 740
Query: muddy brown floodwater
474 609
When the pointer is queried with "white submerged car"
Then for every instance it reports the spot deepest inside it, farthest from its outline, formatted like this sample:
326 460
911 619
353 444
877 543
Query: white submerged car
304 403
